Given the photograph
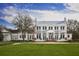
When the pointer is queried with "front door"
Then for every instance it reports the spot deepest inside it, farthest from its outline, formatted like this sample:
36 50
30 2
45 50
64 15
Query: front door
50 36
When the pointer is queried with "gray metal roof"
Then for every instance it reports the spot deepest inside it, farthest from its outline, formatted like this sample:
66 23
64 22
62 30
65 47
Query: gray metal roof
50 22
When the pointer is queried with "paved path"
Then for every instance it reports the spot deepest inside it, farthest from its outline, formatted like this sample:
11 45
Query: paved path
46 43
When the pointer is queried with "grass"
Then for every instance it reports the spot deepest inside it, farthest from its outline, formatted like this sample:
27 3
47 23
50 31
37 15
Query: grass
39 50
5 43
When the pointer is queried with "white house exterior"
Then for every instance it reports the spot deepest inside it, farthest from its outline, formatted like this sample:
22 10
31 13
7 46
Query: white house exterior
44 31
52 30
6 35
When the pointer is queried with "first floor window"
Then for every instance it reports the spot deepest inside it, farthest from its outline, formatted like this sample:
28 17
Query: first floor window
44 36
39 36
62 36
56 35
68 36
21 36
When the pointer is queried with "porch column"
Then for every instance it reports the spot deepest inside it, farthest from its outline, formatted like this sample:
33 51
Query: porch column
35 36
47 35
54 35
42 36
59 36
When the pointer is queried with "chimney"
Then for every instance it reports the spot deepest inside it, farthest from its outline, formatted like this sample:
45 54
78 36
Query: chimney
65 19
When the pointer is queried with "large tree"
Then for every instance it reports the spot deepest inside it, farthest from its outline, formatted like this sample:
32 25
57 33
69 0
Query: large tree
73 27
24 23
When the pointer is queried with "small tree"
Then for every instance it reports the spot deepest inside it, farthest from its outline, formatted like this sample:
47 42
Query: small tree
1 34
24 24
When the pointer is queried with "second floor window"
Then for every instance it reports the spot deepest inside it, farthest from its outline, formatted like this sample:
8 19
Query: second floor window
38 27
44 28
56 27
62 27
50 28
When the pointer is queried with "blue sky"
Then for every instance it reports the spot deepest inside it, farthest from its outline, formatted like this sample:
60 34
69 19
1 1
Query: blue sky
35 6
39 10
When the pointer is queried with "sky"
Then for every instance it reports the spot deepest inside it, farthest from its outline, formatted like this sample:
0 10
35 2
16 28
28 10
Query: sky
39 11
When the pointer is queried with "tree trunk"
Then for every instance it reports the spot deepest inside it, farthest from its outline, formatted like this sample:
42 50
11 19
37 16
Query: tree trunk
23 36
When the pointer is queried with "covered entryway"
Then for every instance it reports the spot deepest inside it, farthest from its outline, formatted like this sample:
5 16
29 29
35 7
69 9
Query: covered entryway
50 34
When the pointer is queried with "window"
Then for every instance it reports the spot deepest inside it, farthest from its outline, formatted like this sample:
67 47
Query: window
68 36
20 36
44 28
56 27
62 36
62 27
49 28
56 35
44 36
38 35
38 27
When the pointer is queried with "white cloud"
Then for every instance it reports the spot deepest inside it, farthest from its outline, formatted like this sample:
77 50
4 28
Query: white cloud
10 12
45 15
72 6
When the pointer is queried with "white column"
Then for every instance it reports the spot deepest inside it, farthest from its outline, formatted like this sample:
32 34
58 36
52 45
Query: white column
59 36
35 35
42 36
47 35
54 35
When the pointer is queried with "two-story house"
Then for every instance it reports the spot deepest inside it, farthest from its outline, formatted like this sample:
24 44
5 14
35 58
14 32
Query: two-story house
52 30
44 31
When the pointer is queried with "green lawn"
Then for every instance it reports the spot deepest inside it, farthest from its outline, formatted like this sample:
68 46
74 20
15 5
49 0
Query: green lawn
40 50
